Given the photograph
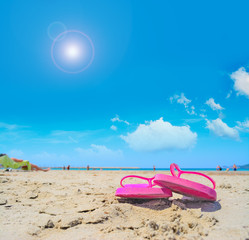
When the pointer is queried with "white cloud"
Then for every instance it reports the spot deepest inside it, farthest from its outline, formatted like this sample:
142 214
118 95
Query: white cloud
11 126
66 140
79 157
191 111
8 126
219 128
184 101
193 120
75 134
222 115
117 119
243 126
160 135
15 136
171 99
215 106
72 139
99 152
229 94
203 115
241 81
180 99
66 137
114 128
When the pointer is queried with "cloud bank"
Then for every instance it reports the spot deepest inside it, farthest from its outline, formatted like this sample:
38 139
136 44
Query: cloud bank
160 135
219 128
241 81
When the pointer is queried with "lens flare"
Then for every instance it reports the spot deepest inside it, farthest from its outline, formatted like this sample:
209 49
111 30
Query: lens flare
55 28
72 51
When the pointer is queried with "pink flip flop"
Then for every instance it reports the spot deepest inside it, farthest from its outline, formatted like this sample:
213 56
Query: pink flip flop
142 190
186 187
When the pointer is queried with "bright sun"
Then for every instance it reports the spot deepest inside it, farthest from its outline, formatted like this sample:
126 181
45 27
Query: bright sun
72 51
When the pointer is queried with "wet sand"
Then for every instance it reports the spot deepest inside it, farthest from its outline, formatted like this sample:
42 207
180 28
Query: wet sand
82 205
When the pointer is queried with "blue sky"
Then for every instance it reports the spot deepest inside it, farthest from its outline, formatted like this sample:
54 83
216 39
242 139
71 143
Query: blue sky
169 82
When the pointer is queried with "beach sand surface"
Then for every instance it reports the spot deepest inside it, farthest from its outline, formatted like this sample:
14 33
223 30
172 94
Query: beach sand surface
81 205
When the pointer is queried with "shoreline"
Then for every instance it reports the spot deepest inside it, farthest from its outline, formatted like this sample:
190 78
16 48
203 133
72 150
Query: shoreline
144 169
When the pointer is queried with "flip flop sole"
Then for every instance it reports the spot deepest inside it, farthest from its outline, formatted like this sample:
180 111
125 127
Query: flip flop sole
143 192
186 187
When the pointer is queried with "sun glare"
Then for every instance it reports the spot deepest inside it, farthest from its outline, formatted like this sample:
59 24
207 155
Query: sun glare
72 51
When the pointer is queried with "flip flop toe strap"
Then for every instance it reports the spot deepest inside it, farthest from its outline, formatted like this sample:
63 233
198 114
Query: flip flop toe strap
174 166
135 176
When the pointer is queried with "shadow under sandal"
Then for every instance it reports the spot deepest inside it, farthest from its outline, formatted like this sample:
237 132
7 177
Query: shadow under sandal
184 186
147 191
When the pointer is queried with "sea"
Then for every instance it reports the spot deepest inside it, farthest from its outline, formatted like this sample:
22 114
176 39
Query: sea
144 169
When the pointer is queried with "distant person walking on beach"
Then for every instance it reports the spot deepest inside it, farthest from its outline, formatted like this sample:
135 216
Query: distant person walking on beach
15 163
154 168
234 167
218 168
87 167
68 167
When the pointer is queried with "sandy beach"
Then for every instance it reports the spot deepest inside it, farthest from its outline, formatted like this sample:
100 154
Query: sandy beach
82 205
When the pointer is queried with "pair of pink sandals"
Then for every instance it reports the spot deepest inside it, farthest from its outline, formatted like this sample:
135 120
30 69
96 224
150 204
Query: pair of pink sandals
167 185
